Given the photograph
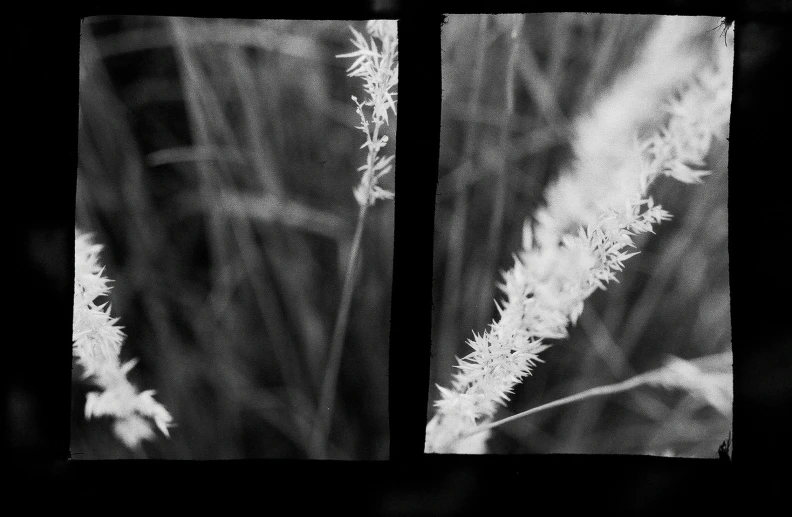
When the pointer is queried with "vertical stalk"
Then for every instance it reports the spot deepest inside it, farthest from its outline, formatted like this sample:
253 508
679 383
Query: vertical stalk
327 398
496 221
447 339
324 417
376 69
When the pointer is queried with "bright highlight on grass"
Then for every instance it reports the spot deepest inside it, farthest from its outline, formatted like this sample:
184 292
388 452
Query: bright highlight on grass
97 345
580 240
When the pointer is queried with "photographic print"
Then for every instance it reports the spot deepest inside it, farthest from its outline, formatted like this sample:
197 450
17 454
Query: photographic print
585 276
581 295
234 238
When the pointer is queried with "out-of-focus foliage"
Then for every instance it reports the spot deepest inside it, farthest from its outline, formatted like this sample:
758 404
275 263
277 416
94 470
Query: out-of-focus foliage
673 298
217 160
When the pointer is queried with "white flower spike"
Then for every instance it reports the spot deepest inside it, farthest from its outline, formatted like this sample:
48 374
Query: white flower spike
97 342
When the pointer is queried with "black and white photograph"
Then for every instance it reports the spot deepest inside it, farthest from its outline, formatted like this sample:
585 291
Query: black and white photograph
581 295
577 299
233 238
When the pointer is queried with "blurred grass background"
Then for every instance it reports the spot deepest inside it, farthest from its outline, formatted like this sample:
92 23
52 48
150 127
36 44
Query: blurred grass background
673 298
217 159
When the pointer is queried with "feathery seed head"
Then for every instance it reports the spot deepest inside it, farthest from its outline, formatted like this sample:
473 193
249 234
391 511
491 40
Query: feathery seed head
97 343
378 67
579 241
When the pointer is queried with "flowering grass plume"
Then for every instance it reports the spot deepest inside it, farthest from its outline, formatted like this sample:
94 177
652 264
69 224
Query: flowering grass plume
580 240
97 343
379 68
380 71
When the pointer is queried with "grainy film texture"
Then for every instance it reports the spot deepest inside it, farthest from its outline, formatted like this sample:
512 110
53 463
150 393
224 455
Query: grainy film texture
235 200
581 270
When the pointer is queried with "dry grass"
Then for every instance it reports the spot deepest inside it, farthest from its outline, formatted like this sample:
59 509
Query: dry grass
673 298
216 163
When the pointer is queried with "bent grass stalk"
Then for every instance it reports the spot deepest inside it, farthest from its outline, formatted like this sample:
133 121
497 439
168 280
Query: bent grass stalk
694 376
577 242
378 67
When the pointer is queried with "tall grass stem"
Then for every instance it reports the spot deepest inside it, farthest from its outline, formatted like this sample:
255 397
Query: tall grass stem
321 429
665 376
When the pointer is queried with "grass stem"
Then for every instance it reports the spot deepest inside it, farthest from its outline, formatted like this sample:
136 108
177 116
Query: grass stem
324 415
663 376
608 389
499 204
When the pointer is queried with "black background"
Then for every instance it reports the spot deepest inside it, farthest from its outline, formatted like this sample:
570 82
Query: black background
40 64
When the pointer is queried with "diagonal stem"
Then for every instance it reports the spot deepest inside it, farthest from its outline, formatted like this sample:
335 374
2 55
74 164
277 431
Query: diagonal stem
598 391
650 377
321 428
496 220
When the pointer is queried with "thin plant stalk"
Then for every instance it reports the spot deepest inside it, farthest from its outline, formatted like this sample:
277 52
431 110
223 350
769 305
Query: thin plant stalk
496 220
668 376
598 391
327 396
379 69
456 233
